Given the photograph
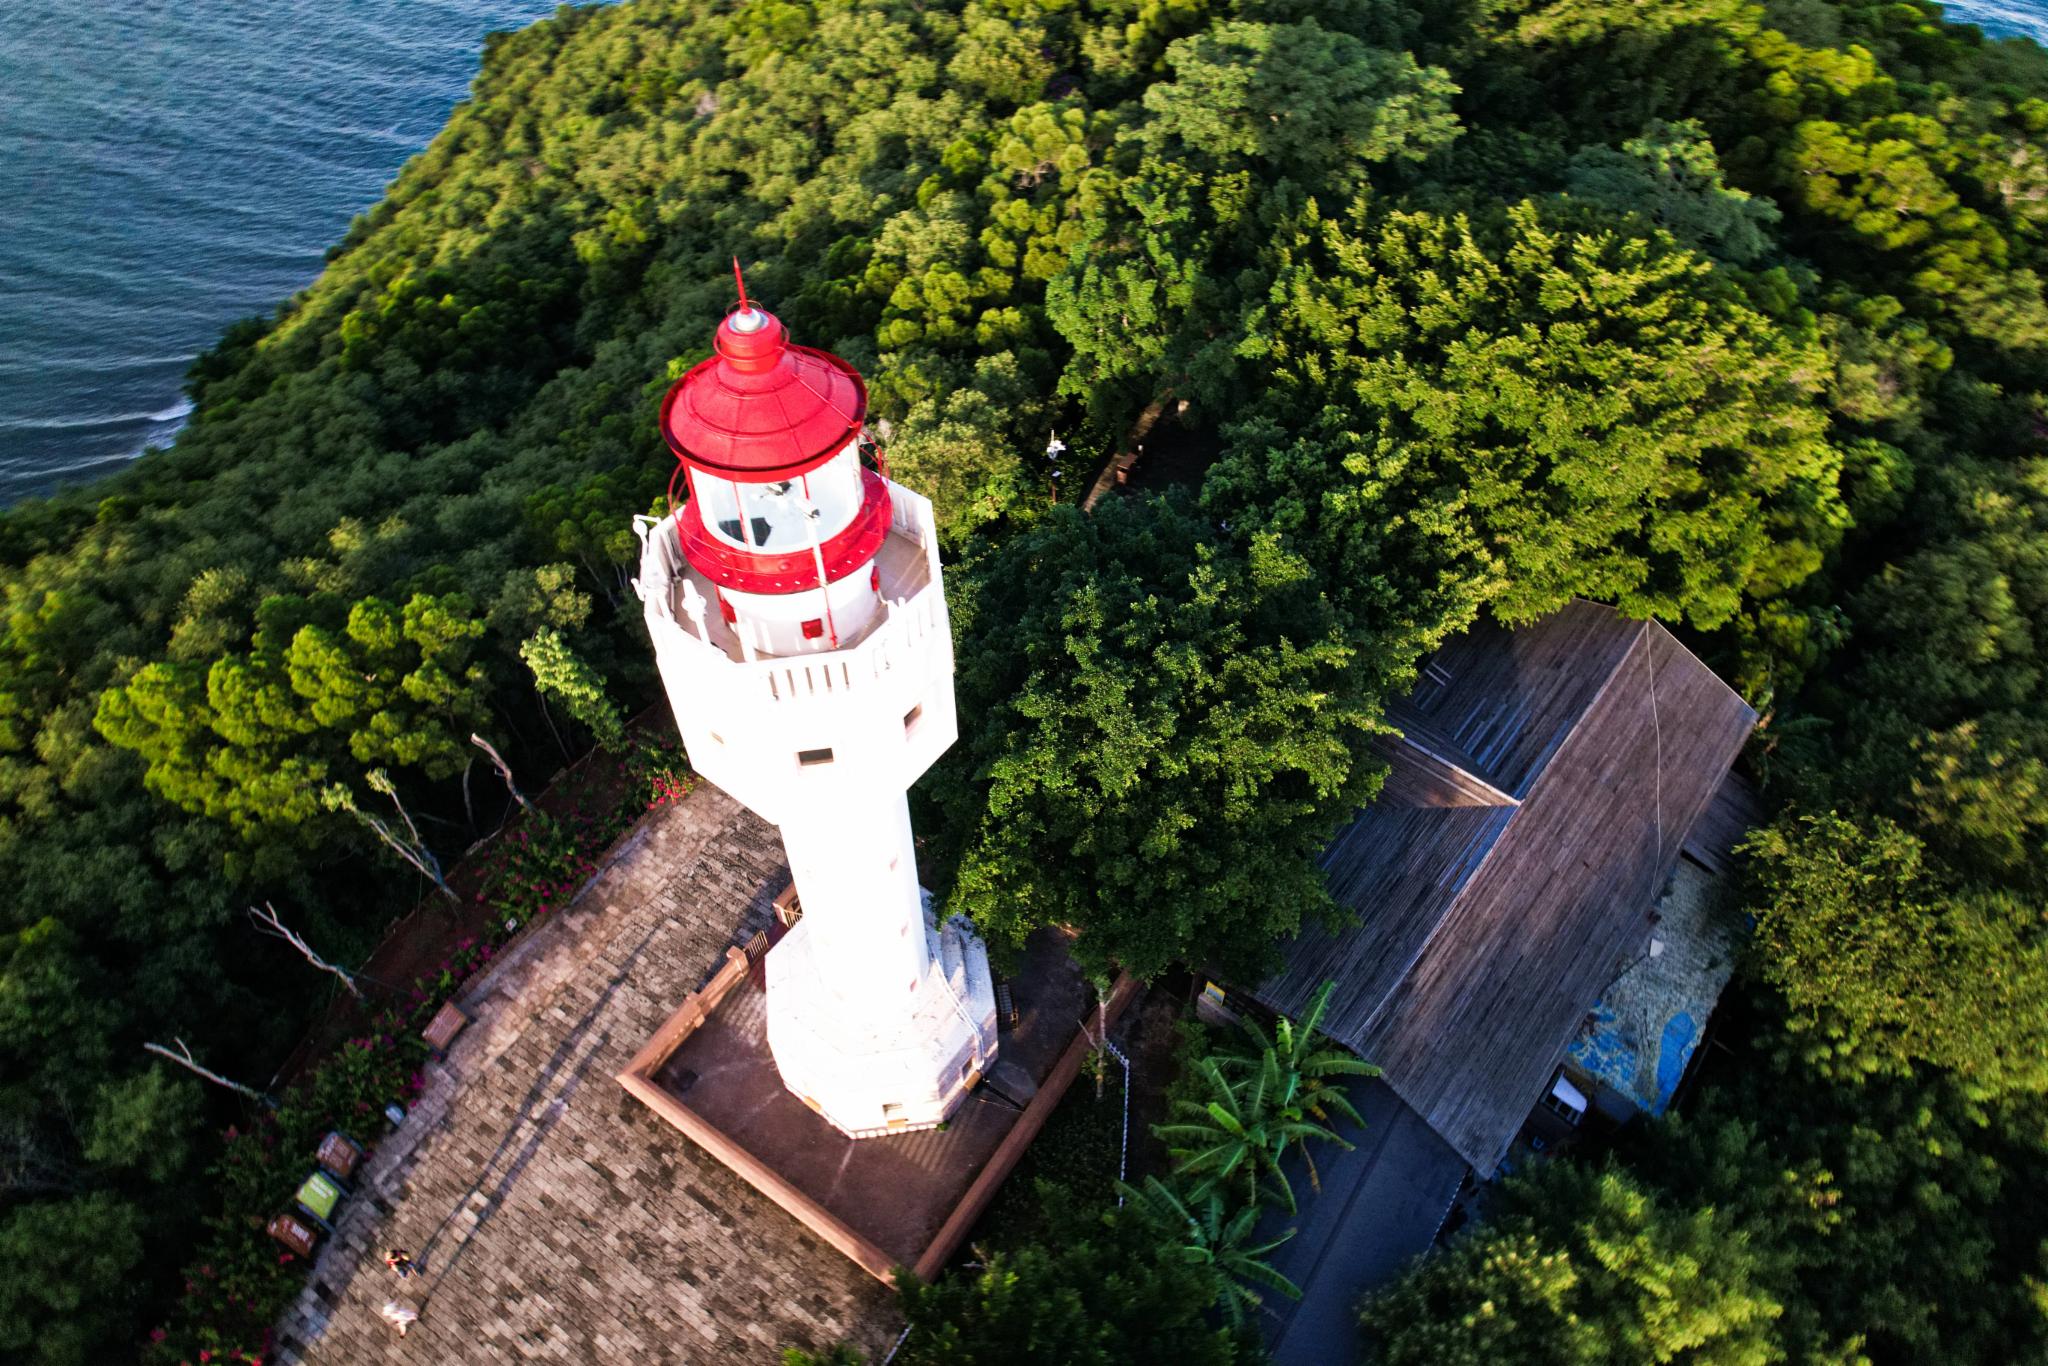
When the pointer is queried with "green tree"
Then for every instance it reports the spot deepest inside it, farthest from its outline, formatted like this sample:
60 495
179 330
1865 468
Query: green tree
1671 176
143 1123
960 449
1883 966
559 671
839 1354
1887 181
1887 1214
1303 102
1000 55
1946 682
249 738
1491 1298
590 523
1582 1267
68 1270
1109 1295
398 682
1167 733
1607 414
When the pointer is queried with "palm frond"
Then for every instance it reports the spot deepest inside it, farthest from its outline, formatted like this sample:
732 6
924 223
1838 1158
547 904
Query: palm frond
1312 1018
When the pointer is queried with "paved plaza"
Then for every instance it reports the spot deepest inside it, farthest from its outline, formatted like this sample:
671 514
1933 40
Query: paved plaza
555 1216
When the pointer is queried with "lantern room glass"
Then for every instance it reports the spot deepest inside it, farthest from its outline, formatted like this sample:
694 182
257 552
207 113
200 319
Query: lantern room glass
770 517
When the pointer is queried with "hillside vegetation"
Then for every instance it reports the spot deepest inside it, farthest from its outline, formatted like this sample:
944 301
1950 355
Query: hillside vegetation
1726 313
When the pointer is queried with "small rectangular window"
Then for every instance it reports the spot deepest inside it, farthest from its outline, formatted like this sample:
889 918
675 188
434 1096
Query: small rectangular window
814 628
910 720
807 757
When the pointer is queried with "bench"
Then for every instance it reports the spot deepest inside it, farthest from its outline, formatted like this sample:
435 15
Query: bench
318 1197
442 1029
293 1234
339 1155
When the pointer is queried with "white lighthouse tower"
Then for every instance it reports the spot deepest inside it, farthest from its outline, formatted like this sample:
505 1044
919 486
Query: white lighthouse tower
801 629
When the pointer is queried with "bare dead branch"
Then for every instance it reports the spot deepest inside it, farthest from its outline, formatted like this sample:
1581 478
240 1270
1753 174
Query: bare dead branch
183 1057
504 769
267 922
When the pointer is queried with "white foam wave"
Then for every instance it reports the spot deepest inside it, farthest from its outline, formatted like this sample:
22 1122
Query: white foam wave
177 412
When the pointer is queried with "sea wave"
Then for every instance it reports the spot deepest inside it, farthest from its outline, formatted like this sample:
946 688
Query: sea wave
176 412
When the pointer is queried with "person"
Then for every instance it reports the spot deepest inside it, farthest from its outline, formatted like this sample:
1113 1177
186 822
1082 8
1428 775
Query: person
400 1261
399 1315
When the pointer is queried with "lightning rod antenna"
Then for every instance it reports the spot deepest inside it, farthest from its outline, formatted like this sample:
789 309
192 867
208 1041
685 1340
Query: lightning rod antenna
741 281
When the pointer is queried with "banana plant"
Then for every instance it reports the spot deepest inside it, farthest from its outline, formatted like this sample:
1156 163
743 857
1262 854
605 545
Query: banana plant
1203 1236
1236 1136
1305 1071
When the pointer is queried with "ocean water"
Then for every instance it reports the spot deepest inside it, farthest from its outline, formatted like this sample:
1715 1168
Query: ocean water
168 167
2003 18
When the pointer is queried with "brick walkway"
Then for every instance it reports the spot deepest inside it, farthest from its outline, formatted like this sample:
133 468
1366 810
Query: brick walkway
555 1216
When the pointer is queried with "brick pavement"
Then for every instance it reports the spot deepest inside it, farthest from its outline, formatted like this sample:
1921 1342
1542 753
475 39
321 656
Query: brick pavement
555 1216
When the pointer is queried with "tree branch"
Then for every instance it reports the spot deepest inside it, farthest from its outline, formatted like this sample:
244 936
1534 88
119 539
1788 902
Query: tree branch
183 1057
267 922
504 769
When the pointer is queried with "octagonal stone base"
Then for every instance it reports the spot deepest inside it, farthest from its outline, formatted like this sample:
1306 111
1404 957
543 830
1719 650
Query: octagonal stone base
872 1072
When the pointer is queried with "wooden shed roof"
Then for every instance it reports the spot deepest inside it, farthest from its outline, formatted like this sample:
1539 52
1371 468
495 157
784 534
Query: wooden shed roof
1544 786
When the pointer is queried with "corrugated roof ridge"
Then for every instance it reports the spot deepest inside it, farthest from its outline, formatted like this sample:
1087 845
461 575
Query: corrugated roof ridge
1472 873
1456 760
1457 898
1644 640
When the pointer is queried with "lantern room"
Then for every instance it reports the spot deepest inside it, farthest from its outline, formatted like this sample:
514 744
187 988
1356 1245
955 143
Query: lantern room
783 520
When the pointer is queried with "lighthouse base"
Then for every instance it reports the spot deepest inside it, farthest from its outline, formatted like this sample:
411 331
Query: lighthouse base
707 1071
871 1073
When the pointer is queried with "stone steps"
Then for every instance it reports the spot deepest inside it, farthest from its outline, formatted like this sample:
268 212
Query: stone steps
977 984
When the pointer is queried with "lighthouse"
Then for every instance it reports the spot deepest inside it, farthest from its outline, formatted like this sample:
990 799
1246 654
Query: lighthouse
799 622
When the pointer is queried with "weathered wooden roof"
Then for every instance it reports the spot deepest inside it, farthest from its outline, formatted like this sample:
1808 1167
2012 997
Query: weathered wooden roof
1711 841
1539 800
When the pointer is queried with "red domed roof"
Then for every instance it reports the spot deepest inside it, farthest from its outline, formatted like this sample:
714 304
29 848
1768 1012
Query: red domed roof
761 408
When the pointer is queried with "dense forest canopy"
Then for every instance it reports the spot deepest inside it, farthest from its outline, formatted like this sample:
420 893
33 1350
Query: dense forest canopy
1728 313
